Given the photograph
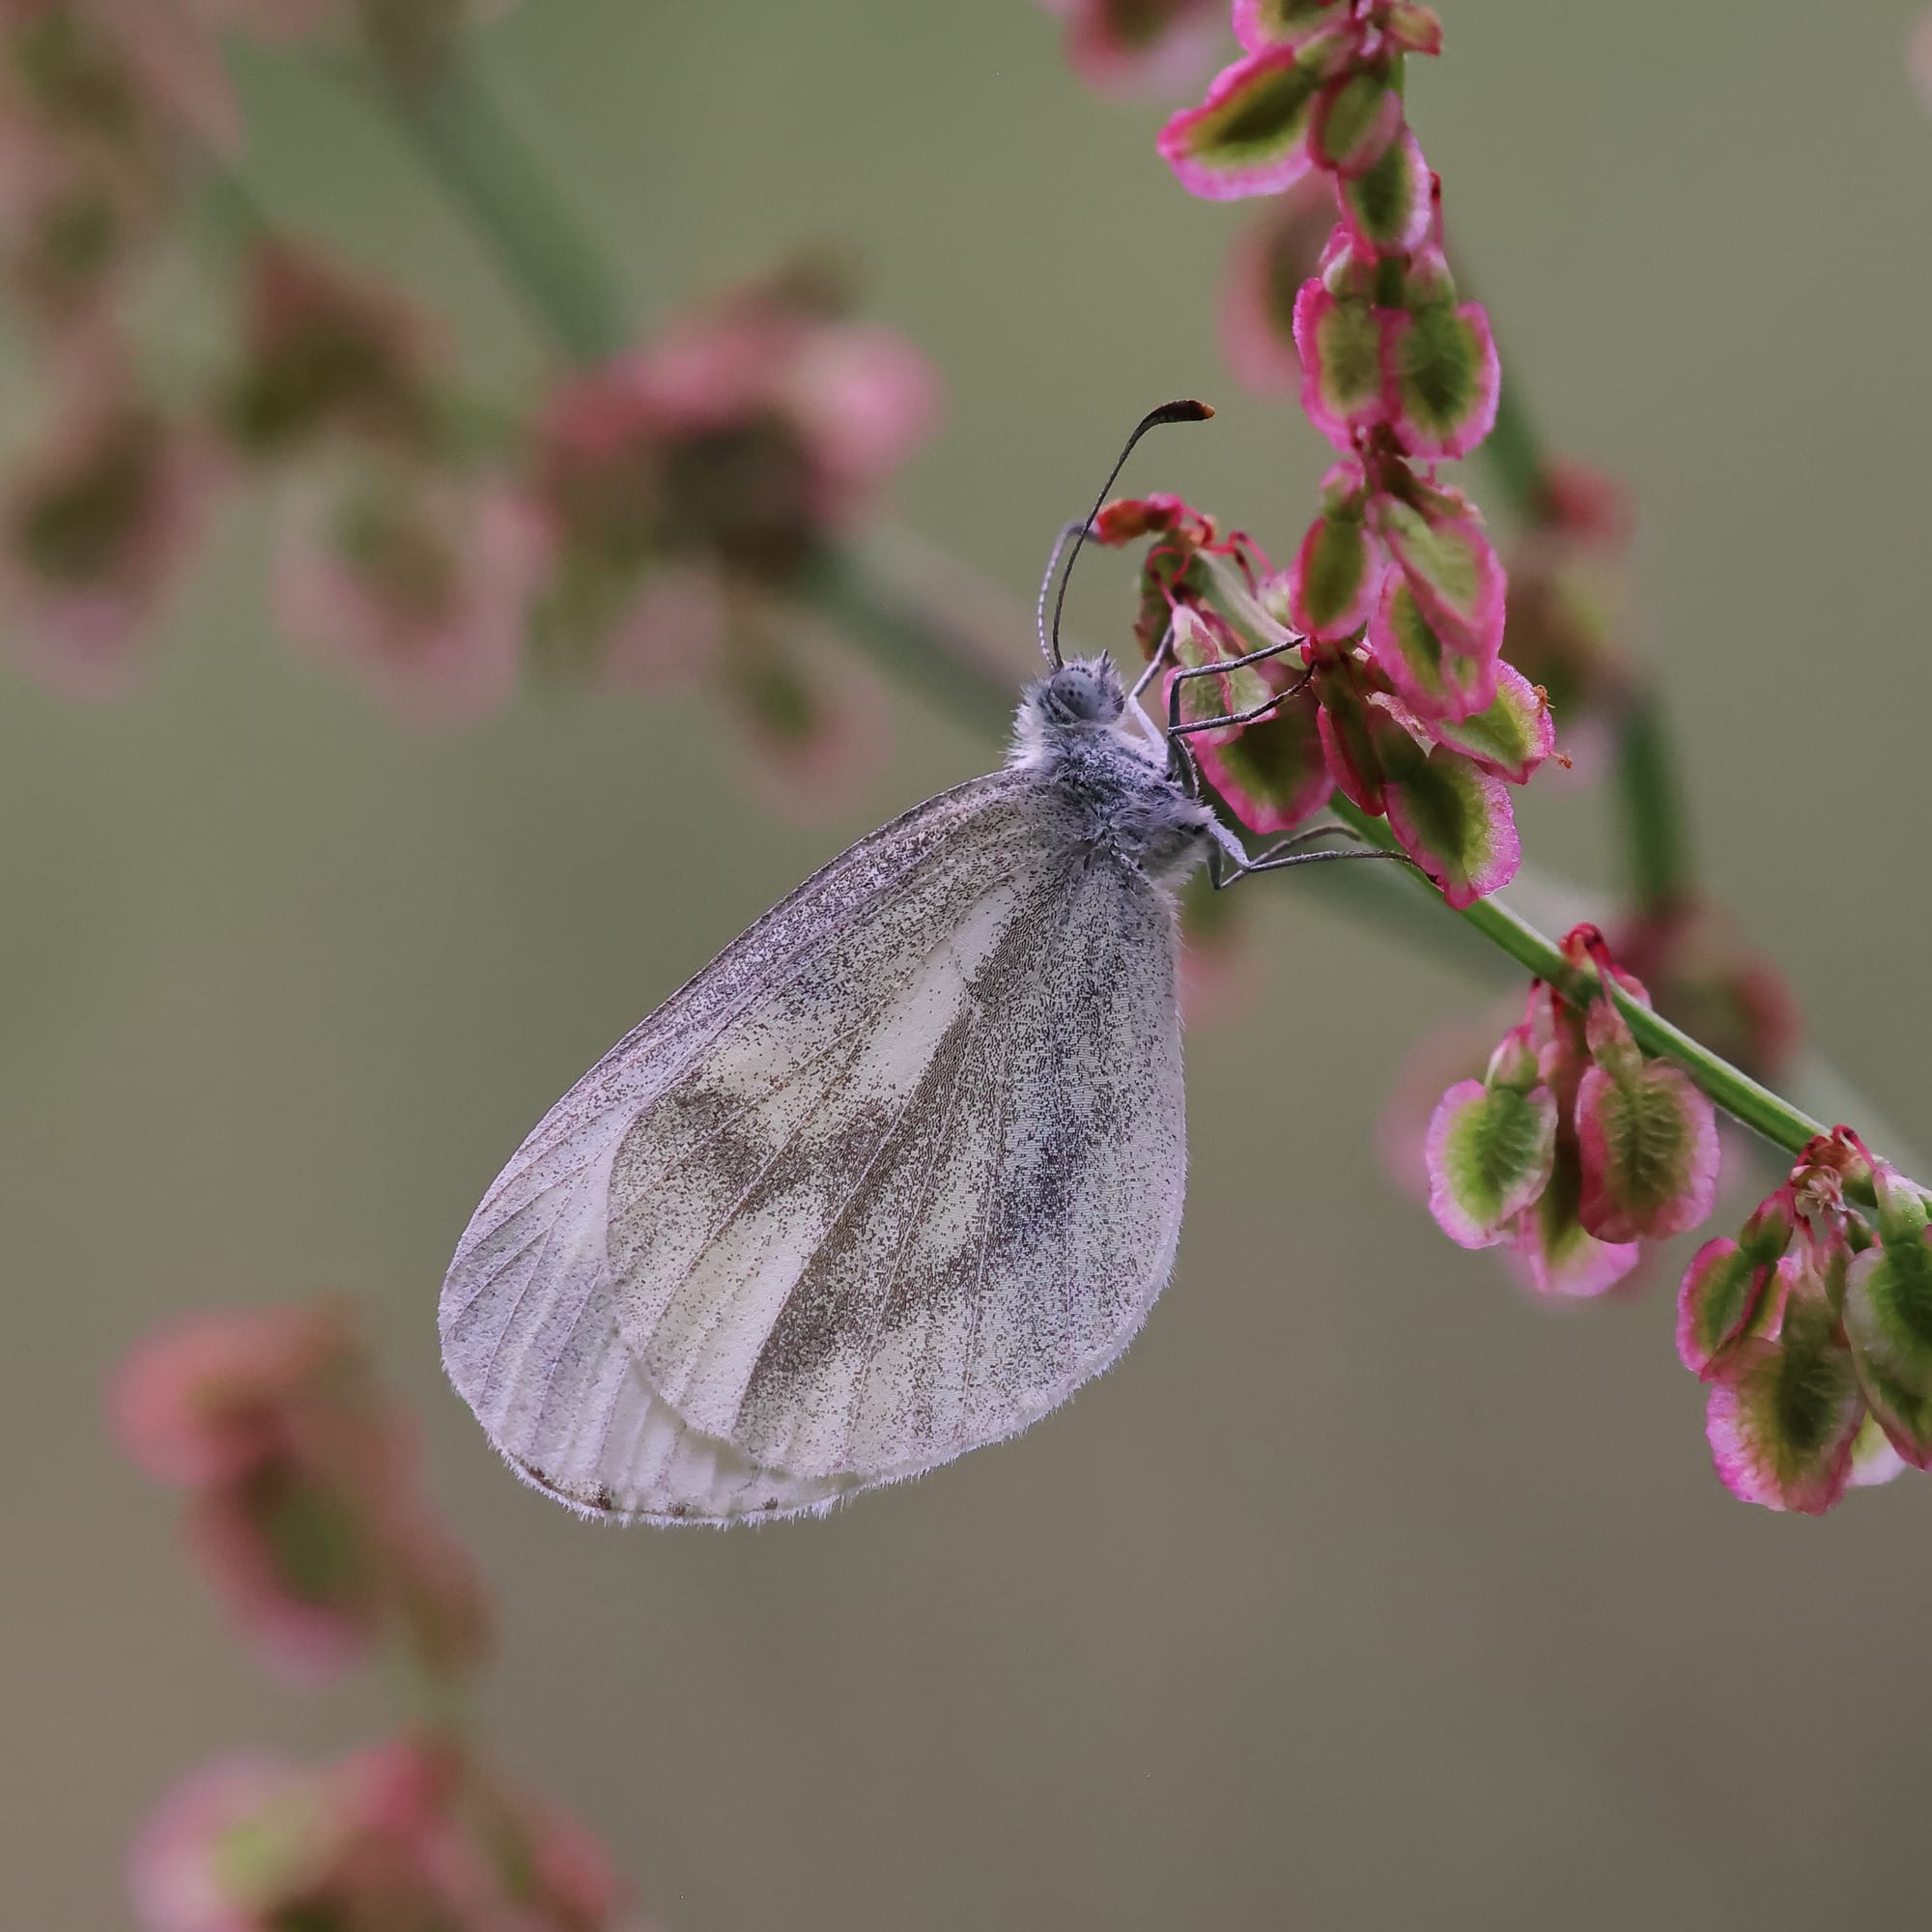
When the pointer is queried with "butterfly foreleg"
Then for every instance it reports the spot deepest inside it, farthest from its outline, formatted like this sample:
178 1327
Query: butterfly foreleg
1229 861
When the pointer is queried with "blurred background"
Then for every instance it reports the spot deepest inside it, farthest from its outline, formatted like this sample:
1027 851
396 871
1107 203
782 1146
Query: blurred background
1363 1592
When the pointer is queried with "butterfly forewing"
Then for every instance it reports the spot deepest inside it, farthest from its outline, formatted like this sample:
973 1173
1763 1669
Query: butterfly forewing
886 1181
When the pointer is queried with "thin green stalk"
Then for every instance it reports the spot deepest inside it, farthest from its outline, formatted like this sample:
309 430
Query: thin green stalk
1658 874
1654 844
1515 453
1744 1098
906 640
477 150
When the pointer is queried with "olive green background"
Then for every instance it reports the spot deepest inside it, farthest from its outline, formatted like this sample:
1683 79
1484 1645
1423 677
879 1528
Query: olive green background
1363 1594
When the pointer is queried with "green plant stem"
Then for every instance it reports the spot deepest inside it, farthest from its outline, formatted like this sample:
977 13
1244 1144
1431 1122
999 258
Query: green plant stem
1744 1098
1515 454
477 150
493 177
1651 800
1656 845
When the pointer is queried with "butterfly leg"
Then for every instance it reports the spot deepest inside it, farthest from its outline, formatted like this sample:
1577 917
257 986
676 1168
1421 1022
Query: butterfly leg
1183 766
1229 862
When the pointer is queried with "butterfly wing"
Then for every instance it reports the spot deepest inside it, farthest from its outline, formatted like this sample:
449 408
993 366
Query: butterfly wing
886 1181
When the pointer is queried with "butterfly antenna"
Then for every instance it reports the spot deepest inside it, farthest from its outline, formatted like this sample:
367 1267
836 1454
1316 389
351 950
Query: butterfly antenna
1187 411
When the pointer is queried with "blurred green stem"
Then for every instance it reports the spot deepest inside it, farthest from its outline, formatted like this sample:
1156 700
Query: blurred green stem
1758 1107
477 151
1656 842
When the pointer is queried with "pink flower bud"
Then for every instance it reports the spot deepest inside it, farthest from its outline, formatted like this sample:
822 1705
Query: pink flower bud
1332 581
420 583
1647 1137
1391 205
1250 135
1284 23
325 350
1155 45
303 1505
406 1834
1356 116
1450 566
1558 1254
1785 1411
1269 260
97 524
1888 1317
1492 1146
1509 737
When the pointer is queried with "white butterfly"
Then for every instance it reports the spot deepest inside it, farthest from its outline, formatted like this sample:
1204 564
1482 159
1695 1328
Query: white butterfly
892 1177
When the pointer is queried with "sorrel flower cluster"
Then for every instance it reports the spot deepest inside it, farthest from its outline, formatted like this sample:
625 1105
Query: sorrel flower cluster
1396 591
408 1835
1138 43
659 511
305 1508
1813 1330
303 1501
1575 1147
1335 721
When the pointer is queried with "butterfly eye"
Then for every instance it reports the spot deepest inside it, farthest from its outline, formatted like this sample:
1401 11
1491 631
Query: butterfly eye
1080 694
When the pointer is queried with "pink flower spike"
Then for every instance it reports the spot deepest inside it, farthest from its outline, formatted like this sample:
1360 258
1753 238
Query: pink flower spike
1451 568
1250 135
1874 1460
1558 1256
1356 118
1259 24
1414 29
1442 378
1918 57
228 1844
1647 1137
1491 1147
862 398
420 584
1391 207
1341 343
1784 1415
98 524
1887 1314
201 1401
294 1572
1511 736
1454 819
1331 583
1155 45
1269 260
1435 679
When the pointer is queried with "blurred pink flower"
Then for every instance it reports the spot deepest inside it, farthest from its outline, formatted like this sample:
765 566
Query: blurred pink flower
324 348
419 582
304 1507
746 431
104 106
1272 256
1160 45
207 1400
404 1838
98 522
228 1845
1918 58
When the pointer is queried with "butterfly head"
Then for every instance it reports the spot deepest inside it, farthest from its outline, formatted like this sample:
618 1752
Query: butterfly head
1082 692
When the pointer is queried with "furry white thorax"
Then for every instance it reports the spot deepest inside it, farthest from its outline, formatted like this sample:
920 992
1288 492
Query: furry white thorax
1100 757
